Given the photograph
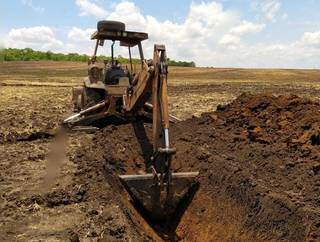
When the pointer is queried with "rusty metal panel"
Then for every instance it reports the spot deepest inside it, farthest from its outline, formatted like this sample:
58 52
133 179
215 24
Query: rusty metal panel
116 90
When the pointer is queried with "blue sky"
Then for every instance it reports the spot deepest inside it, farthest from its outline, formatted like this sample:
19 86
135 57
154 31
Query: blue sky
239 33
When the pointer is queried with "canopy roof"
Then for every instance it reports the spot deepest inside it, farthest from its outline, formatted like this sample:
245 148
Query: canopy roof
126 37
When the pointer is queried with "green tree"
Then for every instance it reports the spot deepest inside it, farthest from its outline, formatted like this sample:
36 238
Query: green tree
28 54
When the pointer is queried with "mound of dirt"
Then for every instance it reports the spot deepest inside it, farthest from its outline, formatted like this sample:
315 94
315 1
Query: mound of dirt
261 153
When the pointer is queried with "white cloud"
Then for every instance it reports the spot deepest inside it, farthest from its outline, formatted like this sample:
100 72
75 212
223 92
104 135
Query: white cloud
268 8
40 34
79 35
271 8
88 8
203 27
247 27
30 4
284 16
39 37
210 14
209 35
311 38
229 40
129 13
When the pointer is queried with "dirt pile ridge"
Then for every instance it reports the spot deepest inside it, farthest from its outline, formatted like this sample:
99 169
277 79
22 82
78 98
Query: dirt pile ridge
259 166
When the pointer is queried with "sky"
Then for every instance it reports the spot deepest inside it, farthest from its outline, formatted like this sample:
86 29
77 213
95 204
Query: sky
220 33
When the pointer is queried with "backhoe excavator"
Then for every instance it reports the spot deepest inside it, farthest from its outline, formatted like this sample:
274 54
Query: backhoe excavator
115 92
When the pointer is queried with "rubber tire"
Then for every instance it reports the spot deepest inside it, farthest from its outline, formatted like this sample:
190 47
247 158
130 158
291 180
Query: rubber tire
105 25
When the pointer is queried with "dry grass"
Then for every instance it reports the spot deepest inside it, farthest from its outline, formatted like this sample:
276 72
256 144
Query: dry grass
181 75
192 90
74 71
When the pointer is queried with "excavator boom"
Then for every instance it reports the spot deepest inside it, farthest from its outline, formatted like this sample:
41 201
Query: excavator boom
161 191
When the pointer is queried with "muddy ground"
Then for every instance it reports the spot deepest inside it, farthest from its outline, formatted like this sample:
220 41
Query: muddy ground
258 159
260 153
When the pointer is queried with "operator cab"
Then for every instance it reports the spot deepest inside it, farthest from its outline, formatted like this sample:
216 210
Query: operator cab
112 73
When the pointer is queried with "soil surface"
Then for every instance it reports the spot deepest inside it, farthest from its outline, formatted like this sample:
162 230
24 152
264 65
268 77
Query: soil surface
259 164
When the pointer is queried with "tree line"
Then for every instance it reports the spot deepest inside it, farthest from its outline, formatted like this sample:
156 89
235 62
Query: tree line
27 54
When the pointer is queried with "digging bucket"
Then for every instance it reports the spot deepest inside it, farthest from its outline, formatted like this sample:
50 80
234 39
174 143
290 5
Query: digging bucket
160 202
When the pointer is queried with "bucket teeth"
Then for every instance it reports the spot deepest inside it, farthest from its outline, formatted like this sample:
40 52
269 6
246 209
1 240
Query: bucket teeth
157 201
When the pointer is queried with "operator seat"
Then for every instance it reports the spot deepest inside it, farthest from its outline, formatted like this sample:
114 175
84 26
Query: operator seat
113 75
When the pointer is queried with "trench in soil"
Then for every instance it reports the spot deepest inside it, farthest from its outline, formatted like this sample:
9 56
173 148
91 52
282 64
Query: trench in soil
258 159
204 214
200 216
